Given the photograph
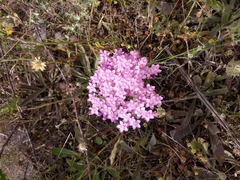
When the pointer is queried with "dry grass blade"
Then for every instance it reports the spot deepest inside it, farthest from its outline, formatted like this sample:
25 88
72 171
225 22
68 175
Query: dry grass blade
29 88
114 151
152 142
188 117
85 61
178 135
204 100
185 128
31 97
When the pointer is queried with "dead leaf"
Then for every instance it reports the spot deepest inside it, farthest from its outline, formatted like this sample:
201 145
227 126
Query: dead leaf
184 129
164 7
114 152
85 60
217 148
125 146
188 117
199 13
197 80
212 128
198 112
152 142
204 173
179 134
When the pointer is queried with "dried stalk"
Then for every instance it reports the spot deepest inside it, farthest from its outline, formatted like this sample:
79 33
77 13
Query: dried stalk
82 137
204 100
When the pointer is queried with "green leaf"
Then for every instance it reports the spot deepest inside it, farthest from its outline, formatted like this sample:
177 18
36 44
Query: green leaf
52 168
98 140
216 5
85 61
198 112
77 133
62 152
10 105
142 142
225 14
96 176
94 157
222 176
215 30
2 176
195 146
209 80
114 173
235 15
80 167
82 77
206 147
106 25
103 174
215 92
232 3
137 174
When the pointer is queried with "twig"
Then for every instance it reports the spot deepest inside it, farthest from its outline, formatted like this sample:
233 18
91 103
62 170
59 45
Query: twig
5 54
9 137
82 137
204 100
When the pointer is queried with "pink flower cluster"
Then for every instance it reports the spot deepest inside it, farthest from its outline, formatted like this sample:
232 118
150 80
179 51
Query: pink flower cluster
117 90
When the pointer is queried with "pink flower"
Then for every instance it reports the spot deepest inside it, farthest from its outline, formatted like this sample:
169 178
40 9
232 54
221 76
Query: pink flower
117 89
122 127
135 124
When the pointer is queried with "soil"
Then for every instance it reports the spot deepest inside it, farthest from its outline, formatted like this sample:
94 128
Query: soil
14 161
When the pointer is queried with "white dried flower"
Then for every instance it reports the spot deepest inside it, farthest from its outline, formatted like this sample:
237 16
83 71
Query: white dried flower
199 48
190 56
160 112
233 68
82 147
37 64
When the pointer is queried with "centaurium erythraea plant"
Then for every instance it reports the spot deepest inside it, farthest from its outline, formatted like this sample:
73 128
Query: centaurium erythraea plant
117 90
